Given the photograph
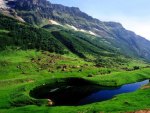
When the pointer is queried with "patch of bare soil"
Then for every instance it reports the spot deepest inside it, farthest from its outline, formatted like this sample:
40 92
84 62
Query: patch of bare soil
146 87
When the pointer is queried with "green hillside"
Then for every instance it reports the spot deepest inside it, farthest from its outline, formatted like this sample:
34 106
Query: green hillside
32 57
20 35
17 35
43 12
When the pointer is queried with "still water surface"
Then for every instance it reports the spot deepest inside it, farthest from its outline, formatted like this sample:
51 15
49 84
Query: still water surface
103 95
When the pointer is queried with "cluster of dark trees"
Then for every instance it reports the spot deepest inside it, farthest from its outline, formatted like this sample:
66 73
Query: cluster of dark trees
27 37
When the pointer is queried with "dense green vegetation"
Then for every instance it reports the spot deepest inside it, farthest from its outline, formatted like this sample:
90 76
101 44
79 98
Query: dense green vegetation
57 39
29 58
14 33
21 35
21 71
42 13
89 47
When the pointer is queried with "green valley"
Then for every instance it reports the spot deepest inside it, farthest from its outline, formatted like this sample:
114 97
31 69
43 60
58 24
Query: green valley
50 67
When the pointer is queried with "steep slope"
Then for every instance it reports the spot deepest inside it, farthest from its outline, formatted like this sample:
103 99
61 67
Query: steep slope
42 12
128 41
18 35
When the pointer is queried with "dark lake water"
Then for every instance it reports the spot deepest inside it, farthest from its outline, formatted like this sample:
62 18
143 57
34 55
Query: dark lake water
77 91
108 94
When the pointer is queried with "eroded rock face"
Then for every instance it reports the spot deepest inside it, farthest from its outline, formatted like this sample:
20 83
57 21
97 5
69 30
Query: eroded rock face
7 4
6 8
3 4
29 4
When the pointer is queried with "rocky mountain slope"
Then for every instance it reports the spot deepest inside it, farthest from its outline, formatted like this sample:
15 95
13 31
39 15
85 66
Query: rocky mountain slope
42 12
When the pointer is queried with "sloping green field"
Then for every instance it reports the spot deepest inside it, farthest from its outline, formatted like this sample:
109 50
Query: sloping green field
31 57
21 71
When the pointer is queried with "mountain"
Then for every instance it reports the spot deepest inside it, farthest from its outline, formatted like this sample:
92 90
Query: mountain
42 13
16 35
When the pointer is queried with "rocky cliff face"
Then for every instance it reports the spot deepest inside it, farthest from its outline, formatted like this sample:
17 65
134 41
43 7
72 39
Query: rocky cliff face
2 4
65 15
37 11
7 8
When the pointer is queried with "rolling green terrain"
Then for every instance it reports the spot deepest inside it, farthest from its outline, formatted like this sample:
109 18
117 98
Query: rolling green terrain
32 56
43 12
21 71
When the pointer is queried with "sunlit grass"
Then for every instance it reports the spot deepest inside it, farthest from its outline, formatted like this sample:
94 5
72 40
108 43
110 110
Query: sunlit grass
16 83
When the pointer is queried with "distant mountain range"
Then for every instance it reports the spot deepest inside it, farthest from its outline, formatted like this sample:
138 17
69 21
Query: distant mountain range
42 13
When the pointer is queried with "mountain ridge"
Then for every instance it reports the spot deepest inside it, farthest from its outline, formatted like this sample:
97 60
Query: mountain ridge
39 12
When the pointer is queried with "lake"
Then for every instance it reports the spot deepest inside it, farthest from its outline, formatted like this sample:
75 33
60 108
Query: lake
103 95
77 91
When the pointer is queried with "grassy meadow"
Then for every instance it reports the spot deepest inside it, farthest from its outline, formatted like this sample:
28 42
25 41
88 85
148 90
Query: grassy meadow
32 56
23 70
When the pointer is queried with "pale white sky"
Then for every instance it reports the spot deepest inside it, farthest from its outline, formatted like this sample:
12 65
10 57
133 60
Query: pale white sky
134 15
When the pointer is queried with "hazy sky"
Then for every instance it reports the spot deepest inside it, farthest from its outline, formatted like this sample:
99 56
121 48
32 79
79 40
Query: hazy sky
133 14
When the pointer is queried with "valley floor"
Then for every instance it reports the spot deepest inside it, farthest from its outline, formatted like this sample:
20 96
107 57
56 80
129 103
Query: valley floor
21 71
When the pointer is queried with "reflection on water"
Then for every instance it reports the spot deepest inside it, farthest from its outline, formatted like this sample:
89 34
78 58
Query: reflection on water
77 91
108 94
